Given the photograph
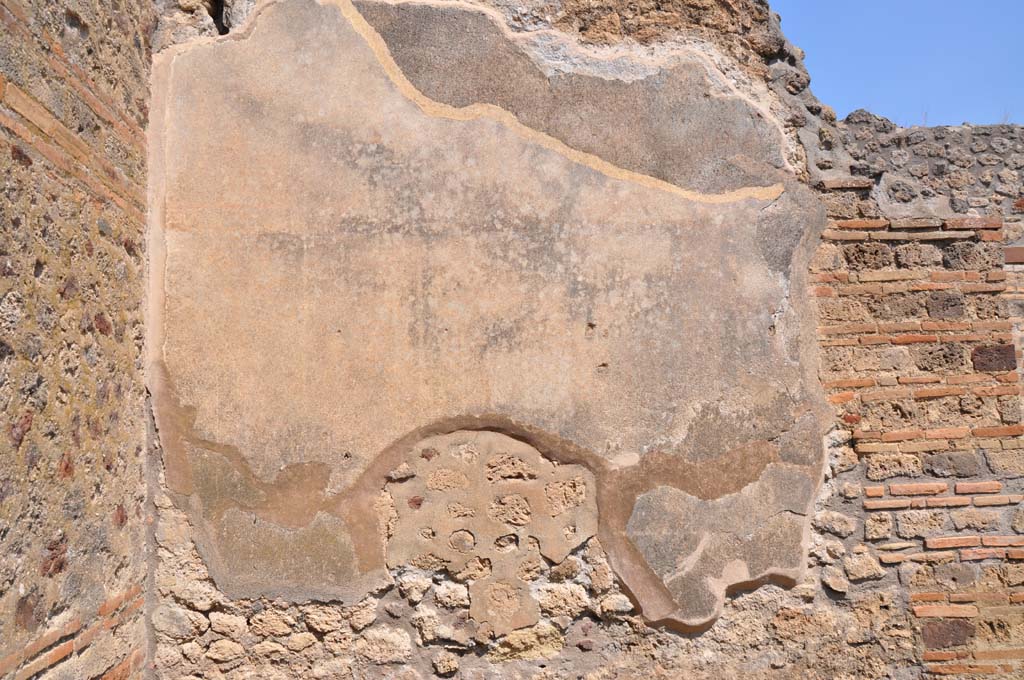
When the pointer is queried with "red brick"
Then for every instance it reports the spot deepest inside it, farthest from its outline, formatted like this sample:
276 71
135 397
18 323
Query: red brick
986 222
997 654
948 502
901 327
983 288
965 379
850 382
947 276
971 554
912 338
948 433
943 542
875 339
984 598
983 501
886 395
945 326
886 505
902 435
948 611
874 491
936 392
928 597
1003 541
996 391
1000 431
918 489
918 379
860 224
844 329
979 487
112 604
961 669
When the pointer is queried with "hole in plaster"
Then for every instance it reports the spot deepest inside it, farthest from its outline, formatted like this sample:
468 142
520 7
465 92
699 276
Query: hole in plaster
216 8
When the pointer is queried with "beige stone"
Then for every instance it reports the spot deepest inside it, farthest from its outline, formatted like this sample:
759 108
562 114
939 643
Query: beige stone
445 663
976 519
228 624
542 641
299 641
363 614
563 599
860 567
451 595
225 650
878 526
921 523
835 523
384 645
323 619
271 623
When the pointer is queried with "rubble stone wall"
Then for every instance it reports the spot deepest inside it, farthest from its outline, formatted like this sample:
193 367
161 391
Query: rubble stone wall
73 106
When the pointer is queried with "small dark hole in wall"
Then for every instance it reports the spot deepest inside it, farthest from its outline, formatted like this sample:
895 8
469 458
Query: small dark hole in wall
217 14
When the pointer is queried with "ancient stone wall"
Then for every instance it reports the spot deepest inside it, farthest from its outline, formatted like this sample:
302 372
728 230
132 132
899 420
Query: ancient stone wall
920 351
534 340
73 106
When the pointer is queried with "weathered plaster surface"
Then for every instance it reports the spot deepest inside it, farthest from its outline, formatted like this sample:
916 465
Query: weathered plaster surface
361 240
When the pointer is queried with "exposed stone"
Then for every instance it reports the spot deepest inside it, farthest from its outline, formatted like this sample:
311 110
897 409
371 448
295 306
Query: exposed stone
835 523
861 567
298 641
1018 520
225 650
921 523
878 526
384 645
363 614
975 519
954 464
413 587
614 605
271 623
1006 463
178 623
451 595
542 641
833 578
996 358
563 599
445 664
228 624
946 633
888 465
324 619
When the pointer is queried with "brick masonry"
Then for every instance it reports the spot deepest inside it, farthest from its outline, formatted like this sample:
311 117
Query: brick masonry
920 353
73 98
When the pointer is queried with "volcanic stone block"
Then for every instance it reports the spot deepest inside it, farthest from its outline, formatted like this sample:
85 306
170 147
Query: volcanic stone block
994 358
372 226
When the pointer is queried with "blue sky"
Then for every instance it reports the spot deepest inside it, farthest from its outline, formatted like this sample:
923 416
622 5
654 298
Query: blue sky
916 62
